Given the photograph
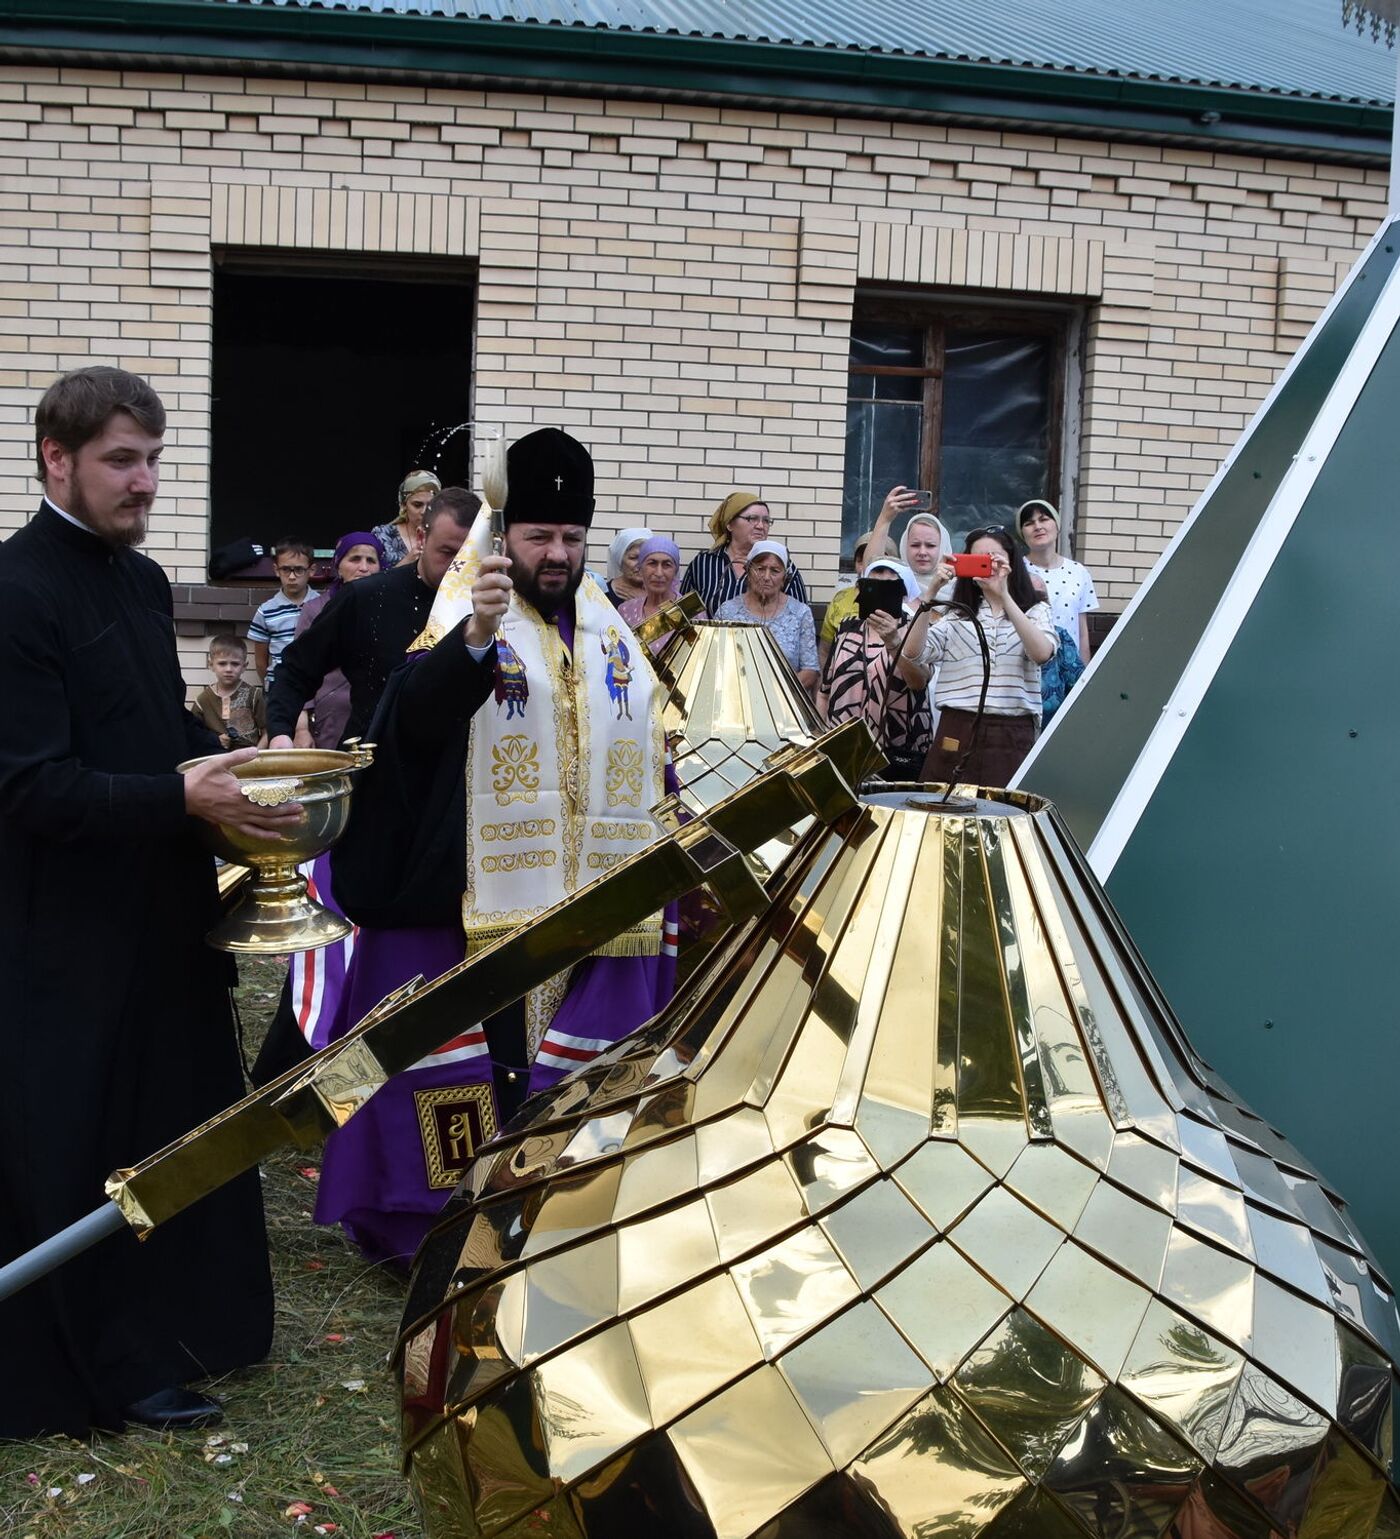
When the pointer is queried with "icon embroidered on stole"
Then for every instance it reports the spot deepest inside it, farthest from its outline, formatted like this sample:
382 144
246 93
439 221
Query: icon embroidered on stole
619 671
512 684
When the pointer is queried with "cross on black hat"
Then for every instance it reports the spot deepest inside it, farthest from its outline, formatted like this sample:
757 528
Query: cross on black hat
549 480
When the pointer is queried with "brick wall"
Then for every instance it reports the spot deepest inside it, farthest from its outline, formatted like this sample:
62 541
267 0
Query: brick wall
672 282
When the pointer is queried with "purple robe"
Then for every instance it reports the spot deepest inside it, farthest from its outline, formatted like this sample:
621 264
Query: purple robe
318 977
376 1179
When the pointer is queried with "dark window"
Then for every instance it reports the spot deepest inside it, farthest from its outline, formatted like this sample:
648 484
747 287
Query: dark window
330 382
967 402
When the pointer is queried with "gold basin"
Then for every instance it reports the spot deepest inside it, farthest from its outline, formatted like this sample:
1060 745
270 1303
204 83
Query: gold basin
275 914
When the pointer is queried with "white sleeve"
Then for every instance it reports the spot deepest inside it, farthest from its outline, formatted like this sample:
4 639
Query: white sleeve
935 644
1088 599
1040 616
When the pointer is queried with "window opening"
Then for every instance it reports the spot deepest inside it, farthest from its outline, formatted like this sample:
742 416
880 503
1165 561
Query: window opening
330 382
964 401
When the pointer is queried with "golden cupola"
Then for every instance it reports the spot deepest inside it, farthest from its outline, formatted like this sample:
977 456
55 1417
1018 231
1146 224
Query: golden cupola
916 1215
733 703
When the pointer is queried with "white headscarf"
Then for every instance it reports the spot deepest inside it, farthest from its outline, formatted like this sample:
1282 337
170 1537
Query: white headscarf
621 544
945 540
905 574
767 548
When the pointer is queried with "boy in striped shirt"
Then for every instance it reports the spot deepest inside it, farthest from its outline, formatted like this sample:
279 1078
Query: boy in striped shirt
275 622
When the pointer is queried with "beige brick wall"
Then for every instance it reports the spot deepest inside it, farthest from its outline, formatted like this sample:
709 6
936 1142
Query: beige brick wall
674 283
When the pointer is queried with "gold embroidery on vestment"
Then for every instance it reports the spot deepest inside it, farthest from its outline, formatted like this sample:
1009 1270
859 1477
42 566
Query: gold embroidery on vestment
624 828
519 860
454 1121
567 679
515 769
526 828
624 777
540 1007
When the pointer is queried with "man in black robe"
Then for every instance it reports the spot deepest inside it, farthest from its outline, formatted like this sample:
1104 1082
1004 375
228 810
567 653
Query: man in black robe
116 1031
364 631
369 625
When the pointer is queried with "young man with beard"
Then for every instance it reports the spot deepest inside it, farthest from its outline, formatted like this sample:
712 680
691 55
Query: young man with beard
526 747
115 1033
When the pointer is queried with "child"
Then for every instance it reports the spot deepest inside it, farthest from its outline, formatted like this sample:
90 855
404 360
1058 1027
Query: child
275 622
228 706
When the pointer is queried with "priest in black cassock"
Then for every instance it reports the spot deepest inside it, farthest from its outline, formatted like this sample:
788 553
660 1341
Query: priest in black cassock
363 632
366 627
115 1032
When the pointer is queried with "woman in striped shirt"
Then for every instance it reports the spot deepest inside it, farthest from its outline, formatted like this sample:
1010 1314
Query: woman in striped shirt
1020 637
718 575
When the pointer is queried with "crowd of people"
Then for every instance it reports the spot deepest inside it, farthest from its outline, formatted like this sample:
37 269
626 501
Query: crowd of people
484 673
956 674
904 643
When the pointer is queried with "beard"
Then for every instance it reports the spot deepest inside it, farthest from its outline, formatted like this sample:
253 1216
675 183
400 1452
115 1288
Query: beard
129 535
547 602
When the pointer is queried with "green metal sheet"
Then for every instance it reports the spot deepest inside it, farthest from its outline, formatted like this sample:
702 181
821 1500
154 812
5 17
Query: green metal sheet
1294 47
1314 118
1097 738
1262 881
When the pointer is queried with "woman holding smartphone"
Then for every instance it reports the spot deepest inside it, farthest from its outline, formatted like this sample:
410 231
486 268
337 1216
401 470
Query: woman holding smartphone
924 542
1020 637
865 674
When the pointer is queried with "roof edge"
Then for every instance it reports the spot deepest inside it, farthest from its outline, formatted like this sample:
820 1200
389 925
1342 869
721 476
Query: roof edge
193 36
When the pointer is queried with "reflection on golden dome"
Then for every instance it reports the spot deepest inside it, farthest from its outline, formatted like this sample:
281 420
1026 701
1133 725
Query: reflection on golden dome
916 1215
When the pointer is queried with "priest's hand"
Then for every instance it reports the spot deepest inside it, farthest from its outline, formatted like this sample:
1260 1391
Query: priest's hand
490 599
281 741
212 792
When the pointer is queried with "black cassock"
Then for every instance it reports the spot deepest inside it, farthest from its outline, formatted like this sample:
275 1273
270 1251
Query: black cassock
115 1029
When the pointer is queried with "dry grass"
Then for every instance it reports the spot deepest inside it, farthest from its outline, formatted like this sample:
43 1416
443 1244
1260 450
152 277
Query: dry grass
319 1418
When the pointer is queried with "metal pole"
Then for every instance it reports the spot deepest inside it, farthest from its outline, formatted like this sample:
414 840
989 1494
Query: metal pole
58 1248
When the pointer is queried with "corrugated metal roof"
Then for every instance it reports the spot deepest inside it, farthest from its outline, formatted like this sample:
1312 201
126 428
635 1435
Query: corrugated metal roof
1283 47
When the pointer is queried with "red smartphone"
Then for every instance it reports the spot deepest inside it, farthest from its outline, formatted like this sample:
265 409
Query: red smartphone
972 566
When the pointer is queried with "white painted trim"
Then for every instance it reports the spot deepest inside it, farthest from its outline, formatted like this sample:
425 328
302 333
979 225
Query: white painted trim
1244 585
1071 434
1395 145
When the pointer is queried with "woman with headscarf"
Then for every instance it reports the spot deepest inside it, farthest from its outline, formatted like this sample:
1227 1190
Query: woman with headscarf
660 563
1069 589
624 579
922 546
401 538
322 724
763 602
865 675
719 575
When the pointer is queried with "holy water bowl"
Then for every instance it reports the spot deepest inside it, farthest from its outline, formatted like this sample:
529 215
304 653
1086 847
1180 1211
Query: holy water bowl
275 914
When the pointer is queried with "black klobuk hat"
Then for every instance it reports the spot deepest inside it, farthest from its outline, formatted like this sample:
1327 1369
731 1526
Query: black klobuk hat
549 480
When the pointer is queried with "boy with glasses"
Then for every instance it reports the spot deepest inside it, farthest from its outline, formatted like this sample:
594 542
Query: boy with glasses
275 622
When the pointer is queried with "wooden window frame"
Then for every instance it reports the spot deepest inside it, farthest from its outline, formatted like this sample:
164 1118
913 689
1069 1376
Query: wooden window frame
935 316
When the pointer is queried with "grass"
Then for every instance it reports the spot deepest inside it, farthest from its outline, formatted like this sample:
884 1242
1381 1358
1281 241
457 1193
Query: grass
316 1424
